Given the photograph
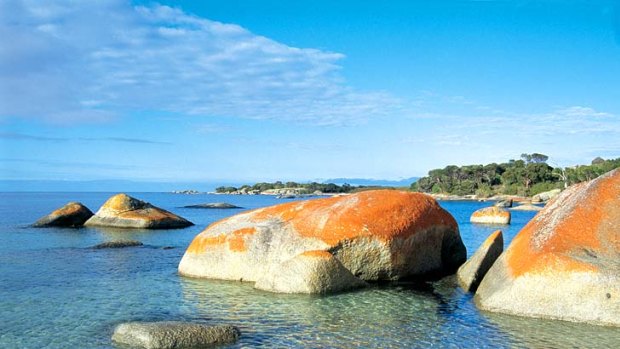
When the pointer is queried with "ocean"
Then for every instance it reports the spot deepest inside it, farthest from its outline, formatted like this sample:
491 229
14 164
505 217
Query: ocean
57 292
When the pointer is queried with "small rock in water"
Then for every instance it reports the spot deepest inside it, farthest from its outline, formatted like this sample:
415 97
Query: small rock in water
504 203
118 244
123 211
491 215
72 215
527 207
173 335
473 271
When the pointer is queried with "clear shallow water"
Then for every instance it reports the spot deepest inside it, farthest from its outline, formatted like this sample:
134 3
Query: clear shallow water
56 292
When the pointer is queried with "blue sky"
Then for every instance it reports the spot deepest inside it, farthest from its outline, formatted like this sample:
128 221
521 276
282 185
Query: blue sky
302 90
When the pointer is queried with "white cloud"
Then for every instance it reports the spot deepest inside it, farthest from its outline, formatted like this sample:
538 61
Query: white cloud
72 62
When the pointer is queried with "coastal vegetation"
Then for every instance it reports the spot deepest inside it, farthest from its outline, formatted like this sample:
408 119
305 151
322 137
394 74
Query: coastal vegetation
306 187
528 176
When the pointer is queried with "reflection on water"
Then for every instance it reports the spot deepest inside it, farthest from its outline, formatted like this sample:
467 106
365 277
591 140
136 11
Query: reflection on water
57 292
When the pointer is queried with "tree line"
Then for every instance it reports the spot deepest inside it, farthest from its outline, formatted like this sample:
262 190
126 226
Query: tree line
527 176
308 187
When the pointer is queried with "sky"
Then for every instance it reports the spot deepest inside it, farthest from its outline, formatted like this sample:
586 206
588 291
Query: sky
302 90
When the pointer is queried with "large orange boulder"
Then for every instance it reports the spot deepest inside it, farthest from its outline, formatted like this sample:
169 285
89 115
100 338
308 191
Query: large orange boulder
565 263
71 215
374 235
123 211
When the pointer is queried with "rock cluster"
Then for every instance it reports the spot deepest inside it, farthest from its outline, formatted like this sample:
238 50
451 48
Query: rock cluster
564 264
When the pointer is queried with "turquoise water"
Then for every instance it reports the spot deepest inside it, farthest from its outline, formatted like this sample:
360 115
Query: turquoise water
56 292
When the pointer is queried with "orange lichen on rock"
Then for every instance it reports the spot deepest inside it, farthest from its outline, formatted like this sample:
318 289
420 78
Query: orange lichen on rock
236 240
121 202
494 211
68 209
317 254
578 222
491 238
201 243
146 214
383 214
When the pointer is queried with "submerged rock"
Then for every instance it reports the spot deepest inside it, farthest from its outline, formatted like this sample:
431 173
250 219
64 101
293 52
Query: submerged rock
527 207
375 235
564 264
118 244
491 215
473 271
123 211
173 335
313 272
213 205
73 215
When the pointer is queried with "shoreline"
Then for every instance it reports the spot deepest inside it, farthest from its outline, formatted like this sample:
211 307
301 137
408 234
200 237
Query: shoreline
292 193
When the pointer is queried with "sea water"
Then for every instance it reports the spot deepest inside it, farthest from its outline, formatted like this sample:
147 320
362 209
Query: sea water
57 292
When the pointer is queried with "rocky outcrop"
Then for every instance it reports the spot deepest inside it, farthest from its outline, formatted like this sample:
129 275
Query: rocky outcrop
564 264
527 207
473 271
118 244
72 215
213 205
173 335
123 211
375 235
546 196
504 203
490 215
313 272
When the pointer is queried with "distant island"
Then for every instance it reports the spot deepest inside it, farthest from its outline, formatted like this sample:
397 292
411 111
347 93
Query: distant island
525 177
293 189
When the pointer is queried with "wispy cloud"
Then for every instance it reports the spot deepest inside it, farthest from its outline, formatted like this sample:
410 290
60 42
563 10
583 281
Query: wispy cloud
27 137
76 62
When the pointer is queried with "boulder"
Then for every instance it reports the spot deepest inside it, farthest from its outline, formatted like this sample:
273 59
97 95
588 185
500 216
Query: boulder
173 335
73 215
490 215
118 244
527 207
213 205
123 211
564 264
504 203
473 271
546 196
313 272
375 235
